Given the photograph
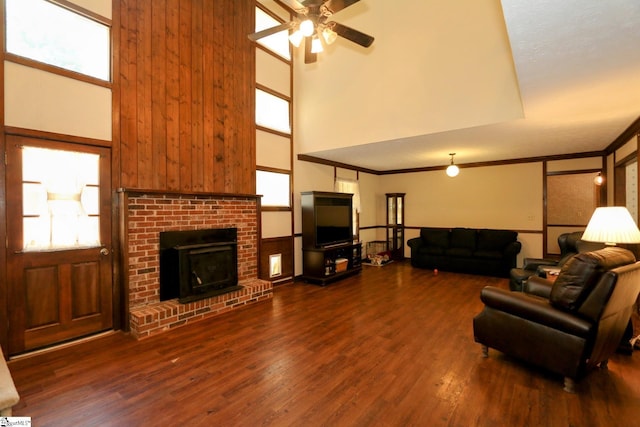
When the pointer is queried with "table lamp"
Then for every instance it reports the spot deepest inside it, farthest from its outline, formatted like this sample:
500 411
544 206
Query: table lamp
612 225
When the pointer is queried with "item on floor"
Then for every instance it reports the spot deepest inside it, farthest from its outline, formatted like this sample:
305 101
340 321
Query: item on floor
378 260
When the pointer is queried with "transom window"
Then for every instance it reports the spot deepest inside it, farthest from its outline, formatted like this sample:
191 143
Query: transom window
272 112
274 188
61 199
278 42
54 35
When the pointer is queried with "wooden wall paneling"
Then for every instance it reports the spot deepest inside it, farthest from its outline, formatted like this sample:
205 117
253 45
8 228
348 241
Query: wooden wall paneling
209 53
197 157
219 171
144 105
229 98
235 45
248 137
276 245
185 160
159 121
173 94
187 71
127 82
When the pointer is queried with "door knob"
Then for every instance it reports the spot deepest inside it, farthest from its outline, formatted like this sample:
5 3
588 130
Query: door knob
104 251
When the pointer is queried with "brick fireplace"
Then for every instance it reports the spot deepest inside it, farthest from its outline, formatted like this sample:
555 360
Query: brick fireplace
145 215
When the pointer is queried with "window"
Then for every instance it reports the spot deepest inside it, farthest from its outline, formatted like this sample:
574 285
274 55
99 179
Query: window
344 185
61 203
48 33
272 112
277 43
274 188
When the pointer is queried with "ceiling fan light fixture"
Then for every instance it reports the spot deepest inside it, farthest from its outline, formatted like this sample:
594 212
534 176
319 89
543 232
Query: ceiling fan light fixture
316 45
307 28
452 170
329 35
296 38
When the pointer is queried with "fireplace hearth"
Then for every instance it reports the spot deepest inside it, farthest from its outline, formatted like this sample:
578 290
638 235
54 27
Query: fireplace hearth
198 264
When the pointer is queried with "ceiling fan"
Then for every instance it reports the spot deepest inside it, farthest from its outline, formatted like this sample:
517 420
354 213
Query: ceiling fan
312 23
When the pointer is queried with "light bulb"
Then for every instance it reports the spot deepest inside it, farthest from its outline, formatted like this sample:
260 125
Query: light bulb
598 180
329 35
306 27
453 170
296 38
316 45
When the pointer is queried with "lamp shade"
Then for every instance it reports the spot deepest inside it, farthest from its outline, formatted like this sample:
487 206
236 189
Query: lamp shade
612 225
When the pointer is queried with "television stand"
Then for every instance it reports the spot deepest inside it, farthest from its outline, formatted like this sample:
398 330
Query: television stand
325 265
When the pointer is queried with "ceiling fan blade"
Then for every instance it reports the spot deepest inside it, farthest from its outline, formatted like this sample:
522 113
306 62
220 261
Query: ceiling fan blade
269 31
292 6
337 5
349 33
309 57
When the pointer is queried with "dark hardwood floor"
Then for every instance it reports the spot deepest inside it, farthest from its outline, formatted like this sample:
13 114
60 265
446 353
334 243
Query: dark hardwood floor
392 346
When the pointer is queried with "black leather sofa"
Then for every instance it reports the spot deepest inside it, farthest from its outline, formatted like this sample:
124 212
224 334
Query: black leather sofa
466 250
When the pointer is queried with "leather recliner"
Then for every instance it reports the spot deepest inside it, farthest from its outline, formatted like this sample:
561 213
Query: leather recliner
570 326
570 244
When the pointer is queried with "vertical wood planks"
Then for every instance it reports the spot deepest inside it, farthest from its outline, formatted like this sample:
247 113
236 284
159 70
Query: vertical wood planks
187 73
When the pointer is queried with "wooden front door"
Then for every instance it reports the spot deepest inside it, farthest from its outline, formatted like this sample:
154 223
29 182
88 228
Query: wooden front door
59 242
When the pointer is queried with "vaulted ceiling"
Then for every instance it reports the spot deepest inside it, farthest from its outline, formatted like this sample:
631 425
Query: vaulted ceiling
489 80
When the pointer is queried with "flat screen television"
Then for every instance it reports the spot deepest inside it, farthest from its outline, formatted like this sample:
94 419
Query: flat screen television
333 224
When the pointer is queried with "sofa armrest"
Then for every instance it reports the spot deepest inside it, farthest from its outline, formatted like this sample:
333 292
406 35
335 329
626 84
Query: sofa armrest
414 243
534 263
534 309
513 248
537 286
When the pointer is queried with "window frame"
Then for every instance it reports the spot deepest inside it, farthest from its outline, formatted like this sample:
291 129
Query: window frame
278 21
277 208
54 69
287 99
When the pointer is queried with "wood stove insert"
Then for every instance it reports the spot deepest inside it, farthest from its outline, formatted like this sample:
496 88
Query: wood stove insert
198 264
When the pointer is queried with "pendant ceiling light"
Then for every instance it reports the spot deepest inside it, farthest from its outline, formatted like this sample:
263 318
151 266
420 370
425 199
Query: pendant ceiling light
452 170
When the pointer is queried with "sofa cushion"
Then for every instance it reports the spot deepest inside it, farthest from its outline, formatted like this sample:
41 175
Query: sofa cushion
431 250
435 237
488 254
495 240
579 275
459 252
463 238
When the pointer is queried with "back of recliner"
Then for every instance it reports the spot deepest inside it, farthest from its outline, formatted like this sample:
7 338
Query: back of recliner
619 289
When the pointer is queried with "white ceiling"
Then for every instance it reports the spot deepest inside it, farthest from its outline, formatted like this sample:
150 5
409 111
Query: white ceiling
577 71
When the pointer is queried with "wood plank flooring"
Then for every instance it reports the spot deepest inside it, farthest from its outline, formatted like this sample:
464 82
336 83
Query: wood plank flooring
392 346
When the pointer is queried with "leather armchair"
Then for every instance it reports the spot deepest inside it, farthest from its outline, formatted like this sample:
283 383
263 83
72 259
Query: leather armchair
569 327
570 244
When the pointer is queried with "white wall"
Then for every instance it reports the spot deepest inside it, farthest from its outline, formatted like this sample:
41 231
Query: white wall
39 100
503 197
463 76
